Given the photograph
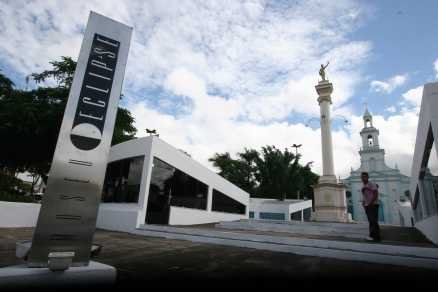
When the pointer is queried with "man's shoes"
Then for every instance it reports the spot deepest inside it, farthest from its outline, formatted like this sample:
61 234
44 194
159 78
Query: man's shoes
372 239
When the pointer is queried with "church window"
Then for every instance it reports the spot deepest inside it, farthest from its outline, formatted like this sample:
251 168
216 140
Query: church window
370 140
367 123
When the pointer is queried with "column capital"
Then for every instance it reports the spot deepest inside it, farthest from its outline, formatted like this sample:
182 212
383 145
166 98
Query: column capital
324 90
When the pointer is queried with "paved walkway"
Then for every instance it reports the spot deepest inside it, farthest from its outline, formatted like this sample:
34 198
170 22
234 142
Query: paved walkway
394 254
144 261
394 235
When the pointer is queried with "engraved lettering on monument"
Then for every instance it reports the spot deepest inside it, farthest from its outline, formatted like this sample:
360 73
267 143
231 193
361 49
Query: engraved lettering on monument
68 214
89 120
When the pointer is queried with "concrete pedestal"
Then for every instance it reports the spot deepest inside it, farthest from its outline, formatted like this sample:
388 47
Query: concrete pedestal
20 276
330 201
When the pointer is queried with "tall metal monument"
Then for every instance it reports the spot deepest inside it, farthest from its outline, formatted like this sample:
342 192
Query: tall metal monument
329 194
67 219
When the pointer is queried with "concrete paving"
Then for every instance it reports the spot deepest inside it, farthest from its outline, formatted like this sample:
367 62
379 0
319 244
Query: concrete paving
410 256
144 261
356 232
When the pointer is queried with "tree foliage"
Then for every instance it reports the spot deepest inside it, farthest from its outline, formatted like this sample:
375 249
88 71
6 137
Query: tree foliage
269 173
30 119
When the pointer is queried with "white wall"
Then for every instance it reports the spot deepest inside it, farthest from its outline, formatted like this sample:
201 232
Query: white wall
188 216
405 209
14 214
299 206
117 217
429 227
286 207
428 118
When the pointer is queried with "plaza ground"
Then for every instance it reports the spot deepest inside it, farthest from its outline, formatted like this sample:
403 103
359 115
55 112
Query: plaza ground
142 261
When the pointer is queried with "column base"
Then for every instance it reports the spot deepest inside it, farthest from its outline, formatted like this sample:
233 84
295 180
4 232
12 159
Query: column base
330 201
20 276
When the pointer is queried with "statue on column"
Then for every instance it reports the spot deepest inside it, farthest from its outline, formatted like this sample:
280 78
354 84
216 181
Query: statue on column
322 71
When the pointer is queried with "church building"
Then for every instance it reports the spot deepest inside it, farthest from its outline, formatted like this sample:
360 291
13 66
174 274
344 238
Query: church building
393 186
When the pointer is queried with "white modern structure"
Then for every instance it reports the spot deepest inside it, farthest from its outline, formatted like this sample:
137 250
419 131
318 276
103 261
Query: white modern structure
287 210
150 182
424 173
393 186
329 194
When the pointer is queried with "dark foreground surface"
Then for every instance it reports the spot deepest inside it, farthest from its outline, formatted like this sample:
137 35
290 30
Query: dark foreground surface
149 261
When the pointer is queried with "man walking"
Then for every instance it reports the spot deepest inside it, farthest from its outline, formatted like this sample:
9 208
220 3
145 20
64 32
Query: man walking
370 202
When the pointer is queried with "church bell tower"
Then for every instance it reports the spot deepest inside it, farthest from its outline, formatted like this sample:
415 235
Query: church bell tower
371 155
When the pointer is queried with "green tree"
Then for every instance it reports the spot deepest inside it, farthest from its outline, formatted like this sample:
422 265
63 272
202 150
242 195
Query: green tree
241 171
30 120
6 85
270 173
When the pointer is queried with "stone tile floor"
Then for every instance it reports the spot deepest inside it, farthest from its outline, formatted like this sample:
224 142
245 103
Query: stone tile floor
145 261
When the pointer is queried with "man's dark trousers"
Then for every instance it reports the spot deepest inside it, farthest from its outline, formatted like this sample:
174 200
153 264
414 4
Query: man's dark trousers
372 212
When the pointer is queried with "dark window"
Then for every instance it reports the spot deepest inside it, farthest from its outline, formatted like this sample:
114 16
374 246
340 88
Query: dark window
176 187
370 140
122 180
367 123
307 214
272 216
223 203
295 216
160 190
251 214
429 177
188 192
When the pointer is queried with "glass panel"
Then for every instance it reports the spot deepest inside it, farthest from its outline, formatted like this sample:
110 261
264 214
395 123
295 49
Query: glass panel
307 214
296 216
418 213
430 179
188 192
159 193
171 187
223 203
122 181
251 214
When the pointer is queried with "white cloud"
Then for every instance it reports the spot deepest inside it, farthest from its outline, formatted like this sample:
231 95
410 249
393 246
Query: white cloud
245 67
391 109
247 50
227 135
388 85
183 82
435 67
413 96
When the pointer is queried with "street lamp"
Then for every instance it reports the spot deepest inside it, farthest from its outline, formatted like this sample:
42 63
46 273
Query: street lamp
296 148
152 132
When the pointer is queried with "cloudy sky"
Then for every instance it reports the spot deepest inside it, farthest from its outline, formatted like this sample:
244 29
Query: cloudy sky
216 76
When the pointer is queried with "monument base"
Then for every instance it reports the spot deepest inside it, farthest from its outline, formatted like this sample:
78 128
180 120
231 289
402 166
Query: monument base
20 276
330 201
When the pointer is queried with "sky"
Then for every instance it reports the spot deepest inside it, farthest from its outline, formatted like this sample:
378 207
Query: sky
218 76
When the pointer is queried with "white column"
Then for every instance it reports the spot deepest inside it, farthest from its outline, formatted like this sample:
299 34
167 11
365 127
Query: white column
209 198
302 215
326 139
